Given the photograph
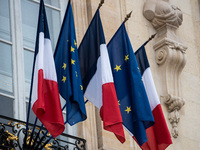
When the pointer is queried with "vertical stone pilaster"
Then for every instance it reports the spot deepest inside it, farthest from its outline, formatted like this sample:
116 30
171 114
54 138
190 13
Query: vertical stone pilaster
88 128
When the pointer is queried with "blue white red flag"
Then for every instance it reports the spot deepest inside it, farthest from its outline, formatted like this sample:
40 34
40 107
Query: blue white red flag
97 77
44 88
158 135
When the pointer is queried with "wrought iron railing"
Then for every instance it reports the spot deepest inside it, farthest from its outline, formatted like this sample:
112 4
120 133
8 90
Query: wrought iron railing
12 132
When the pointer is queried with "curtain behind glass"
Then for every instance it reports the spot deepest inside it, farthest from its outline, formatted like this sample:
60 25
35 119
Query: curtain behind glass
29 23
29 26
6 81
55 3
5 20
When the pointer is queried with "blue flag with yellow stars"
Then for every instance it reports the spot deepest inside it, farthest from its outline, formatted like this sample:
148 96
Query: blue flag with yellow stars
133 102
68 70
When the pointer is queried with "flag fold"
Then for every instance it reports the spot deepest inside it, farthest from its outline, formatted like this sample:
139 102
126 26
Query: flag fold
44 88
68 70
97 77
132 98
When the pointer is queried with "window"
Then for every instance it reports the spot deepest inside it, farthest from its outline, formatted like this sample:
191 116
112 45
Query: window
6 80
29 27
17 50
6 63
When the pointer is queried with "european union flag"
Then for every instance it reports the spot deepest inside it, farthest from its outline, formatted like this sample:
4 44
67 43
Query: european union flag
133 102
68 70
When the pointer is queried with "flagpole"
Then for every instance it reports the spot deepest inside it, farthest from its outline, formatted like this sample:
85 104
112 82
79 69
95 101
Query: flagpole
41 140
29 145
127 16
44 134
29 104
100 4
126 19
37 136
150 38
47 141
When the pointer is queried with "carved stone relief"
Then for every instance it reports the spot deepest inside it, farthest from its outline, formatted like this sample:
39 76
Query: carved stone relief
170 54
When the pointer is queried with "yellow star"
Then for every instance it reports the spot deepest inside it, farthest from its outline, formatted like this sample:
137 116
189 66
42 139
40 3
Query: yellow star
117 68
72 49
72 61
75 43
64 79
118 102
64 66
128 109
126 57
76 74
81 87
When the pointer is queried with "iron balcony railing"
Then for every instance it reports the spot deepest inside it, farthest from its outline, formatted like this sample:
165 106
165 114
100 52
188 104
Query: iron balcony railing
12 132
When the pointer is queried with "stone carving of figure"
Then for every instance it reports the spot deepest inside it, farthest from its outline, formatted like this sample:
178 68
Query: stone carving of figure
160 12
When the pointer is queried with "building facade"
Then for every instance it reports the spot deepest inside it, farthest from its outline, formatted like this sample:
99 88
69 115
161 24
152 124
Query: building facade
174 57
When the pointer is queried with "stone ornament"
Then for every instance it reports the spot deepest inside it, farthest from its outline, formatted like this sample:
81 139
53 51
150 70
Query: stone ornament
161 12
170 55
174 105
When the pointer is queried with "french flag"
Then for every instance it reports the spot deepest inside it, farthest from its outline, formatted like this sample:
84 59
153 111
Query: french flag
97 79
158 135
45 99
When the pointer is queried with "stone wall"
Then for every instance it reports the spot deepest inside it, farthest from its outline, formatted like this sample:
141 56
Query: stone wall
180 39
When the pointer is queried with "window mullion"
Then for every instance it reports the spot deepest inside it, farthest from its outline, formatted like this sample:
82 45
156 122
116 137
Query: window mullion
18 61
63 5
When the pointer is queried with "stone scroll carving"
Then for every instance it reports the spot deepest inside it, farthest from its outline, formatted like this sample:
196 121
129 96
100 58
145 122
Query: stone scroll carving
170 54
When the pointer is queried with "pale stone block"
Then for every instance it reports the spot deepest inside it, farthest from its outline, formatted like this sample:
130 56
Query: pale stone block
110 142
191 87
88 128
184 144
138 34
190 124
184 5
192 66
186 31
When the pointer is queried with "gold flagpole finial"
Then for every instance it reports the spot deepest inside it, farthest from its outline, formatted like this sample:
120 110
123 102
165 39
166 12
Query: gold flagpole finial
152 36
127 16
101 3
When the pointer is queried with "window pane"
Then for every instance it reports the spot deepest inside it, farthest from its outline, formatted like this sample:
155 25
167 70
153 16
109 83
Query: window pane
5 20
55 3
29 23
28 65
6 107
6 83
54 23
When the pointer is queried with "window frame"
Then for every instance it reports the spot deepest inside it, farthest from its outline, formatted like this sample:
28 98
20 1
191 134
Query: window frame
17 52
